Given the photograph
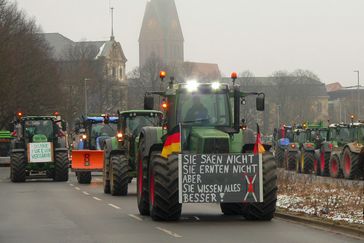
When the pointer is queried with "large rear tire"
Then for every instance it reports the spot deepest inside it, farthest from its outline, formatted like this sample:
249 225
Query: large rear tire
84 177
350 165
119 173
163 189
61 165
259 211
17 167
106 174
325 163
334 166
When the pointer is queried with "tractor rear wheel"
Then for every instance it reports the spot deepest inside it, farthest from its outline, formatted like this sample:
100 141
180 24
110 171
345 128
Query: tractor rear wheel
17 167
325 163
259 211
84 177
279 156
291 160
334 166
163 189
350 165
119 175
61 165
308 162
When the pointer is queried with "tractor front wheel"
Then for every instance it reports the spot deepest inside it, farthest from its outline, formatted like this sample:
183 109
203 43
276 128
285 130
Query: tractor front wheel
291 160
334 166
106 176
279 156
325 163
308 162
84 177
259 211
163 189
61 165
17 167
119 175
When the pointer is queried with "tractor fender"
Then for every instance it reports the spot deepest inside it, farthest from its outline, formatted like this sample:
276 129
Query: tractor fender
18 151
152 139
353 148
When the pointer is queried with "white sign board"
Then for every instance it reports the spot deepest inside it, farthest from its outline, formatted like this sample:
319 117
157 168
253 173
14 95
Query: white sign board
40 152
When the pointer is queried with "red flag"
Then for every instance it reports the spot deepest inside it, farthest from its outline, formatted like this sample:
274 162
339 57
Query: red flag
258 147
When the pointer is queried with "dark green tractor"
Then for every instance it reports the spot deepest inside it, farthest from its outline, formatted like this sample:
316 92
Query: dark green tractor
39 149
347 160
202 133
5 141
120 151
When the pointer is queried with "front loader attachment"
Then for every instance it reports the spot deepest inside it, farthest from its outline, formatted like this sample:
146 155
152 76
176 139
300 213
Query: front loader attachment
87 160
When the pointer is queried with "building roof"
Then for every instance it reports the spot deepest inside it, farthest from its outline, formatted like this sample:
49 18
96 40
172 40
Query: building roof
60 43
333 87
202 70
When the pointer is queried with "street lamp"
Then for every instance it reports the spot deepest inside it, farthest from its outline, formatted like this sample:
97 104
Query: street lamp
358 100
85 89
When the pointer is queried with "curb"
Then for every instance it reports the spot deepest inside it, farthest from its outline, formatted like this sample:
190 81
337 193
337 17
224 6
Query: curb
328 225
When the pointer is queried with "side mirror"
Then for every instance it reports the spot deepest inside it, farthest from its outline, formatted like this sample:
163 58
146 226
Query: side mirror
64 126
148 102
260 102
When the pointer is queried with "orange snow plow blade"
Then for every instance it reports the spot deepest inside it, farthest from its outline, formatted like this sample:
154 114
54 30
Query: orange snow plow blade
87 160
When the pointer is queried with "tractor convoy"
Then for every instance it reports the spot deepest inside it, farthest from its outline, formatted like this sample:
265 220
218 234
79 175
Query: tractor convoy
335 151
195 150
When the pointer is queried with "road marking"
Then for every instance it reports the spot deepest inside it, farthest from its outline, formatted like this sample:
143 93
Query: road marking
135 217
114 206
86 193
168 232
197 218
77 188
71 184
96 198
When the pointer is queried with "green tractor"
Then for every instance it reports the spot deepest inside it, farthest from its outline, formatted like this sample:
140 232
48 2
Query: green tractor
198 155
39 149
5 140
120 151
310 140
347 160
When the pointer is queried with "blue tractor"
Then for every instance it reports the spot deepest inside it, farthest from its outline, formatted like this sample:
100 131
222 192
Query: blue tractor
282 138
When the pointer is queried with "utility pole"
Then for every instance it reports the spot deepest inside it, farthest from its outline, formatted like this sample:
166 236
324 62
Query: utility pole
358 98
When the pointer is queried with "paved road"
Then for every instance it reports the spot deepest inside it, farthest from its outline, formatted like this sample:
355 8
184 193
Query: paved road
46 211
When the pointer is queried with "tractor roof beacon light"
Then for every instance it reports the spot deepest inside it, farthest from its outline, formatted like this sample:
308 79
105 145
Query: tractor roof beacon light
164 104
234 76
56 113
192 85
162 75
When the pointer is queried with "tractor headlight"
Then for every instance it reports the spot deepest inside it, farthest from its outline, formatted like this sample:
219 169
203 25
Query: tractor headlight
215 85
119 136
84 136
192 85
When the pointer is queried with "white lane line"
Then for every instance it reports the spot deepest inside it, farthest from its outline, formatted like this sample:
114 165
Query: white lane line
135 217
96 198
71 184
114 206
168 232
197 218
77 188
86 193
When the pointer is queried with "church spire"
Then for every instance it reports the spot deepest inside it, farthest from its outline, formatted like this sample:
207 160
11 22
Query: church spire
112 23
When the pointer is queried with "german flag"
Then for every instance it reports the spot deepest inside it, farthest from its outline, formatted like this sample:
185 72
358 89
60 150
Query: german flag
172 143
258 147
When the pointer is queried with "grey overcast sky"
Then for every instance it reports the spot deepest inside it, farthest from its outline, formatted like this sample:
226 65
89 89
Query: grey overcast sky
324 36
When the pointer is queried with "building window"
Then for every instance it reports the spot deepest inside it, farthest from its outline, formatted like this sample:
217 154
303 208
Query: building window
113 72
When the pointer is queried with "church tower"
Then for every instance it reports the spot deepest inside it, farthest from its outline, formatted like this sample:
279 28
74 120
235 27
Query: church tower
161 33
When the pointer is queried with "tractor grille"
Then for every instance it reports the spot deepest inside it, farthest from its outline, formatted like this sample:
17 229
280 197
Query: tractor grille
216 146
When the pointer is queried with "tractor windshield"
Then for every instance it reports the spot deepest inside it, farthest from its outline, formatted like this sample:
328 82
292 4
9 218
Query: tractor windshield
361 134
38 130
101 129
207 109
345 135
135 124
